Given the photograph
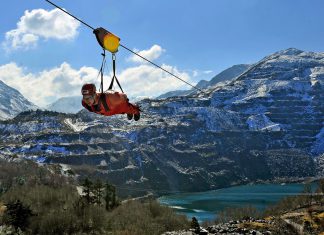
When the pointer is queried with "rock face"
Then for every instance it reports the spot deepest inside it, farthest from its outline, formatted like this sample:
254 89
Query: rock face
12 102
265 124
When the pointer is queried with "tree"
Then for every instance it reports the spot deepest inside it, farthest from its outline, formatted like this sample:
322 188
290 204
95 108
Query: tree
110 197
195 225
308 194
87 190
320 192
98 189
320 186
17 215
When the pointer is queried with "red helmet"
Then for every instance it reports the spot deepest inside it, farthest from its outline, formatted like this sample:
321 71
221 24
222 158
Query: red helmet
88 89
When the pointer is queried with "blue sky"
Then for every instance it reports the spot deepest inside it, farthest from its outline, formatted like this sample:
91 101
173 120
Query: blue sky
47 55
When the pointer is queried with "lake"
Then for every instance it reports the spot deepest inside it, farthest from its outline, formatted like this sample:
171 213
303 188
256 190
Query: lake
205 205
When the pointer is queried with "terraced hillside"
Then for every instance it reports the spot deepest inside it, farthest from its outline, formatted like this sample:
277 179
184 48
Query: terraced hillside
265 124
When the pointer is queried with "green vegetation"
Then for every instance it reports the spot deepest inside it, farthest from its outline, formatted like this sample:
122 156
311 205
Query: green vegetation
134 217
37 200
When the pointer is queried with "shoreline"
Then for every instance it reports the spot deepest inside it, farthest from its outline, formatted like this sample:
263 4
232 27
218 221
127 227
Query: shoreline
284 180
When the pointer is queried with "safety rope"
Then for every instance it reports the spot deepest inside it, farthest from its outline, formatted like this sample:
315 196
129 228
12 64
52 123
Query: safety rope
130 49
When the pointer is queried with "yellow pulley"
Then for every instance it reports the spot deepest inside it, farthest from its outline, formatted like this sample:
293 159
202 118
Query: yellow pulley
107 40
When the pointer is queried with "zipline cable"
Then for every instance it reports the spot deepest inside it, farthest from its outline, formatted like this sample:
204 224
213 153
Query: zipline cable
162 68
128 49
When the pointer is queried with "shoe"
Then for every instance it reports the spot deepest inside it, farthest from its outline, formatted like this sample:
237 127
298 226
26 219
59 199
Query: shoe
137 116
129 116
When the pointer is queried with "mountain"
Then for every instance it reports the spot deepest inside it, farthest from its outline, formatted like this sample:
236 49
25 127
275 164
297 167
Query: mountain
12 102
66 105
228 74
225 76
265 125
175 93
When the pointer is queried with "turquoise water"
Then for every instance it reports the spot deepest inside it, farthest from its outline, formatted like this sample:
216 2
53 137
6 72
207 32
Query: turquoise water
205 205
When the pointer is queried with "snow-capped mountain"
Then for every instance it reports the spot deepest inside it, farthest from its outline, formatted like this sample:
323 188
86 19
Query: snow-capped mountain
66 105
266 124
225 76
12 102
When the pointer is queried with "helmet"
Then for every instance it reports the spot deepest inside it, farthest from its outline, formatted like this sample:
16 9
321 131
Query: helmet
88 89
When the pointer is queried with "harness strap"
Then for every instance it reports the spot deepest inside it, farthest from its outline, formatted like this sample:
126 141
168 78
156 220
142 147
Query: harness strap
102 100
102 69
114 75
88 107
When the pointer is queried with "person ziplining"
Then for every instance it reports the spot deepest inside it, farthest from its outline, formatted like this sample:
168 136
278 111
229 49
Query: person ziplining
110 102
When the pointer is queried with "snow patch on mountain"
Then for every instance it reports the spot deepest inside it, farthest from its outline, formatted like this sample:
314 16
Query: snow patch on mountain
77 126
177 167
216 119
317 75
262 123
261 88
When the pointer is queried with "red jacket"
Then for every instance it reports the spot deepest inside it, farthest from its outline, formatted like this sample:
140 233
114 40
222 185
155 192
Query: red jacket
111 104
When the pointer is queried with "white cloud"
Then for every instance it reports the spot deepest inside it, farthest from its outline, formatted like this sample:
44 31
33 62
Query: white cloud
198 73
151 54
49 85
149 81
40 23
207 71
